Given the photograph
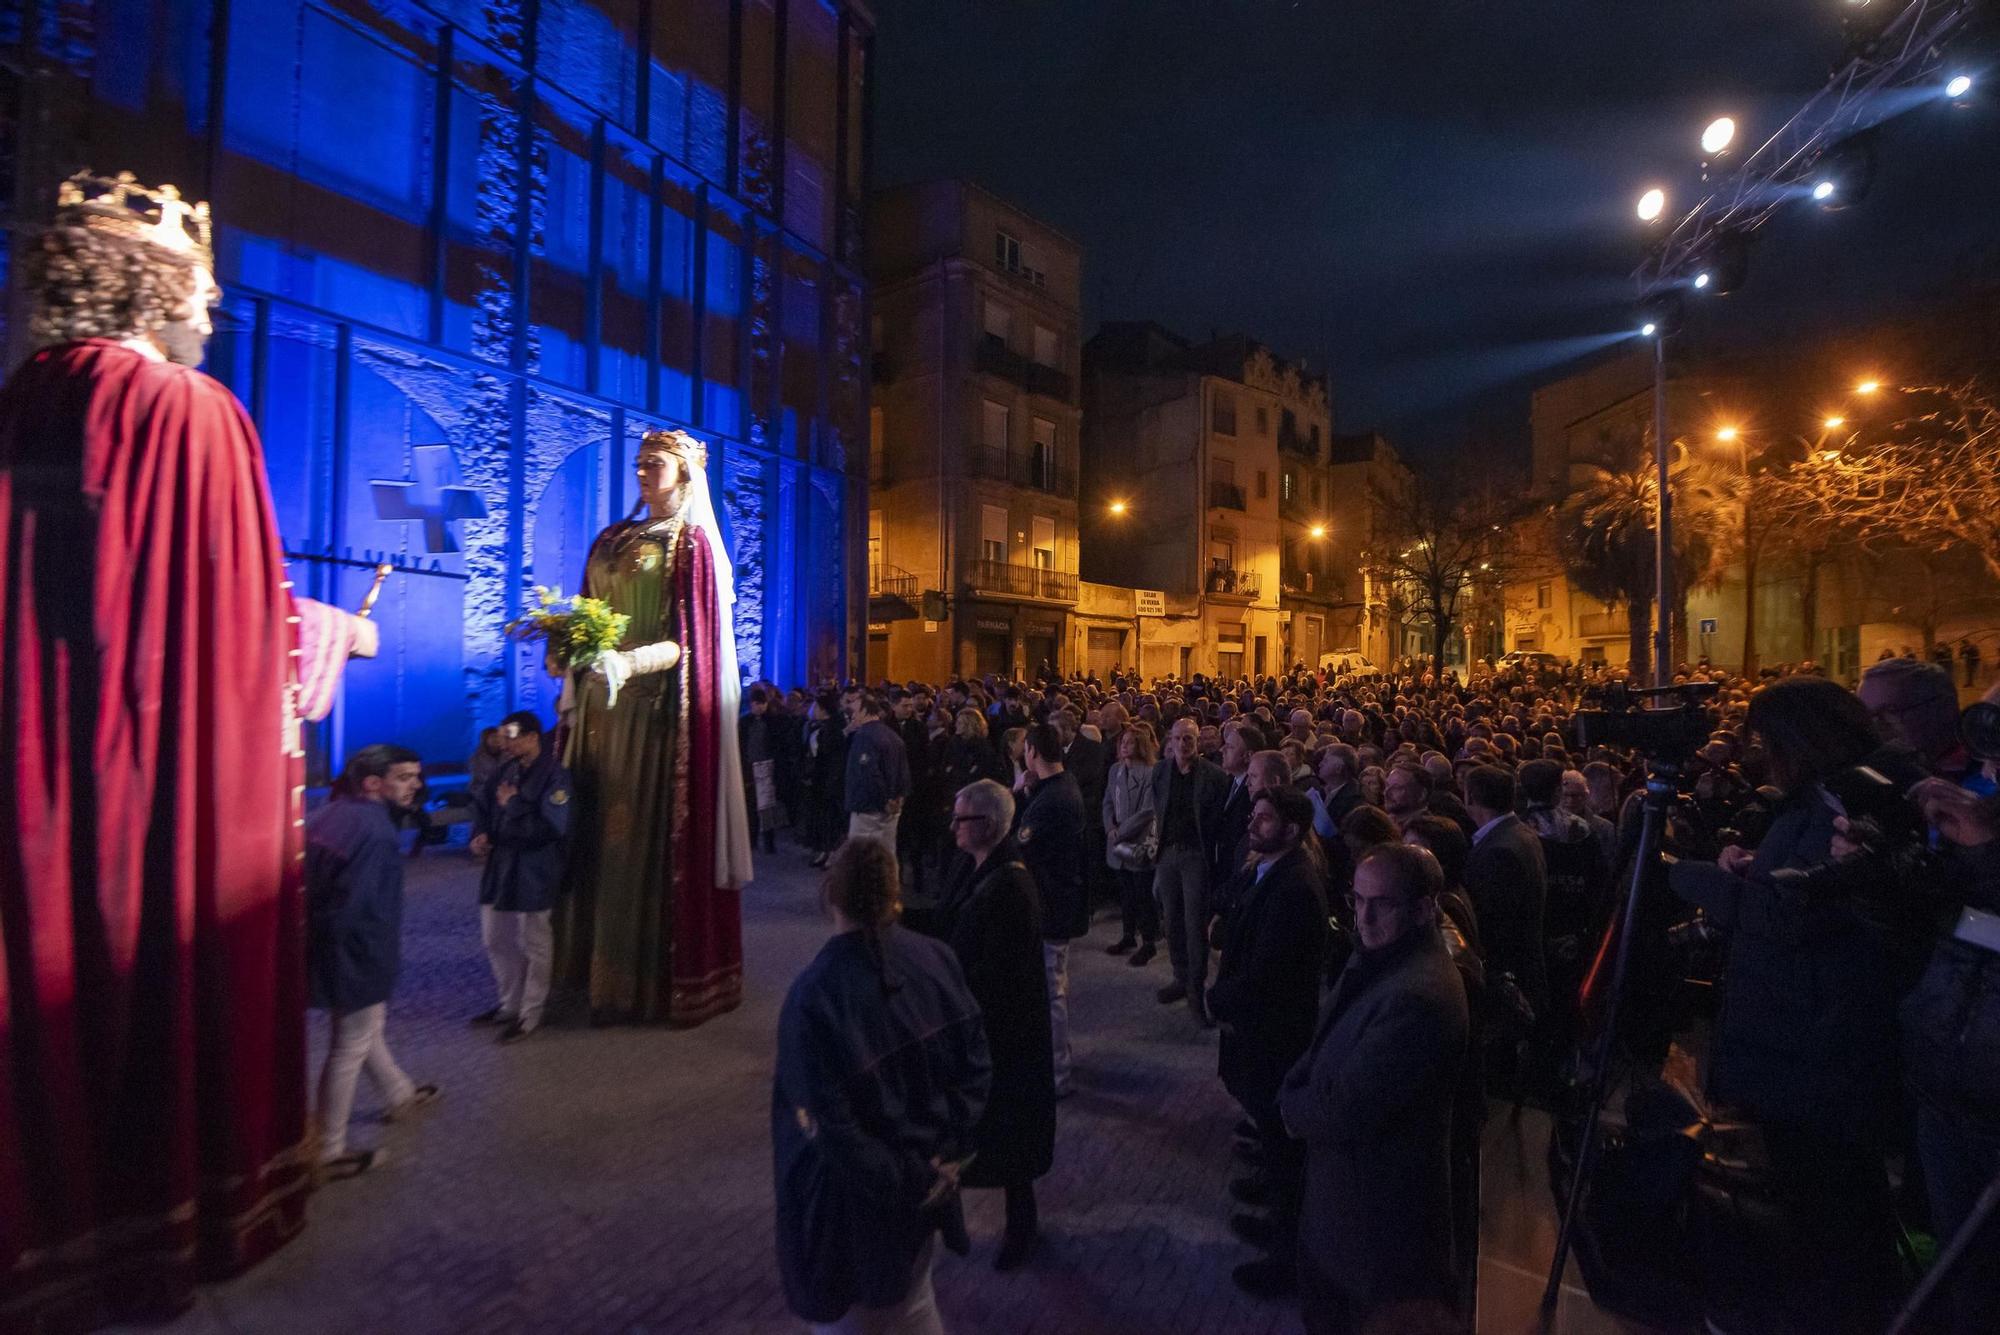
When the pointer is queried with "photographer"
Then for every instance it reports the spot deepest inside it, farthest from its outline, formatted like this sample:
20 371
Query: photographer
1951 1050
1805 1043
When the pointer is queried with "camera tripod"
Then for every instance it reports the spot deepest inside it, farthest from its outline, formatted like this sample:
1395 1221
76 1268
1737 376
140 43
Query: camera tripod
1662 777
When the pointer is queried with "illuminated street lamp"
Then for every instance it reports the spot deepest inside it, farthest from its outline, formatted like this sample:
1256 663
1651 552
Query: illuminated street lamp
1727 434
1319 530
1118 507
1868 387
1835 423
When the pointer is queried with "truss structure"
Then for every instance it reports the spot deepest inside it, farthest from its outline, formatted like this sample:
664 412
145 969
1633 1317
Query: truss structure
1907 50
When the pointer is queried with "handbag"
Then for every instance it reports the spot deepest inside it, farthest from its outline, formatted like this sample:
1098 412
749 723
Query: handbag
1142 851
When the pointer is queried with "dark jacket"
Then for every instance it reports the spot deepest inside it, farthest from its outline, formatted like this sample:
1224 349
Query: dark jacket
1235 826
878 771
354 904
1504 879
1211 786
1372 1100
1806 1037
823 755
1088 761
1267 987
991 919
1050 831
530 836
882 1066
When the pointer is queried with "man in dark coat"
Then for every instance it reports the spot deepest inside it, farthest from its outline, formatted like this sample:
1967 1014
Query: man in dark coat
1240 741
1372 1100
1188 793
522 831
991 916
878 770
1050 831
1265 999
1088 761
354 930
1505 879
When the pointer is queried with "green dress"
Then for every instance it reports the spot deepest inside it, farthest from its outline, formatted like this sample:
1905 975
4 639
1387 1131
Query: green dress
614 926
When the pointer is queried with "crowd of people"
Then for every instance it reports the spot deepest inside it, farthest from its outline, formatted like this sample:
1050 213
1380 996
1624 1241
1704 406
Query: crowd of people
1392 896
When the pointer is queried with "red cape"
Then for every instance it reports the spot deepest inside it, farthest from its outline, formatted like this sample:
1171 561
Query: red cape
152 1050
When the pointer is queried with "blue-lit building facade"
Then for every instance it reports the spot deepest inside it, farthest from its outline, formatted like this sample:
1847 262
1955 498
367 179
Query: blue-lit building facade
472 252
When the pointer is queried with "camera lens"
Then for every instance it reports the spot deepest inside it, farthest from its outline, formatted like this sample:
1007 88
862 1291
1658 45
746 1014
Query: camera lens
1979 725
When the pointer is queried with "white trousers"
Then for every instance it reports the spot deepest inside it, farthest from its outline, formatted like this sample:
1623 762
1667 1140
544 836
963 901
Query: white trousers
1055 963
917 1314
356 1042
877 825
521 948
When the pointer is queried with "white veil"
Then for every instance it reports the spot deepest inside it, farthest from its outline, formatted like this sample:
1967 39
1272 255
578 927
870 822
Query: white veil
732 817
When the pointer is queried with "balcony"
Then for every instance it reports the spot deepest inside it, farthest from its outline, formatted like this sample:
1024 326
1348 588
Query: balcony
1590 625
1226 581
1019 581
1311 585
1226 496
892 594
1037 472
994 357
1293 441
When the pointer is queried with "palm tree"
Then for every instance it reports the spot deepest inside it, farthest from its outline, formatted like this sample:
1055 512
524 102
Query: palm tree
1606 532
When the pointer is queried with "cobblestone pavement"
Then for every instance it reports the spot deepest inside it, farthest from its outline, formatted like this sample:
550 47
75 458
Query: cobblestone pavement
619 1180
601 1180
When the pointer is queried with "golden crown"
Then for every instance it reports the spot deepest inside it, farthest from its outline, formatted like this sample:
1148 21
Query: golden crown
690 448
122 206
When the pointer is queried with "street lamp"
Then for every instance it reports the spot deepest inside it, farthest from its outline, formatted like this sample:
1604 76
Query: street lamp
1319 530
1868 387
1834 423
1727 434
1117 507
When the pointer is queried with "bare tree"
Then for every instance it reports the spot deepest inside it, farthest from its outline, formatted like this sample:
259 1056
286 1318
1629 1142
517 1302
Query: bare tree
1456 530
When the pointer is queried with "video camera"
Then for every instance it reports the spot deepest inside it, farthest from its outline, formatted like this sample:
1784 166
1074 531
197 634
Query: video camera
1668 735
1979 725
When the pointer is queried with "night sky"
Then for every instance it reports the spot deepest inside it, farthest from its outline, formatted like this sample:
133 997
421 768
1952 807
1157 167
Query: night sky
1434 198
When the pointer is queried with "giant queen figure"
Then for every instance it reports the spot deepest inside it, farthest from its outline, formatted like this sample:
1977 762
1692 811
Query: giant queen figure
154 664
651 924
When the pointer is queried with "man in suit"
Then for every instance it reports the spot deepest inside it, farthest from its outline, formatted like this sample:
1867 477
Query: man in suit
1265 999
1339 791
1507 883
1050 831
1188 793
1240 741
1372 1100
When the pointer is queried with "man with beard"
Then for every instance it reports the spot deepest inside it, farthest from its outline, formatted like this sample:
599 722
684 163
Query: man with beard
152 1066
354 930
1265 998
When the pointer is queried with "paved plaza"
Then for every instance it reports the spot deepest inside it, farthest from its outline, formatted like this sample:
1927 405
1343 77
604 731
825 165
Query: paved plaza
612 1180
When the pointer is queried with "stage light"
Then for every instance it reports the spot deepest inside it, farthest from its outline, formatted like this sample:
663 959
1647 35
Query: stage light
1958 87
1664 313
1649 329
1842 175
1701 280
1833 423
1721 133
1868 387
1726 434
1652 204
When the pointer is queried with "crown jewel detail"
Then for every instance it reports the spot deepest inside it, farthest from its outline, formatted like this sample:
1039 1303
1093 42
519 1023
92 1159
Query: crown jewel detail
122 206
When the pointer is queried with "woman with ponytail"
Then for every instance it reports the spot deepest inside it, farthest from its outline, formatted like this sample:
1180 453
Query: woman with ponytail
882 1075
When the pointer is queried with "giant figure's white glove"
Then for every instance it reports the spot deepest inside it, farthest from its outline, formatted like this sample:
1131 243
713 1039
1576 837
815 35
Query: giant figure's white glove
618 666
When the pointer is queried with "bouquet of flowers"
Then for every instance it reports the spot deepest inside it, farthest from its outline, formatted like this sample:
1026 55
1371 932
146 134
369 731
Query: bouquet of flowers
576 630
